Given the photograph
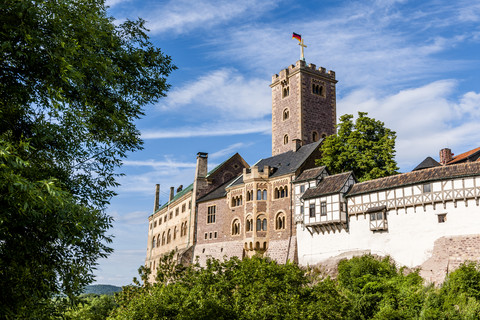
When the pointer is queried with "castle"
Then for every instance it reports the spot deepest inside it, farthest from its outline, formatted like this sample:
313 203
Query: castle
286 208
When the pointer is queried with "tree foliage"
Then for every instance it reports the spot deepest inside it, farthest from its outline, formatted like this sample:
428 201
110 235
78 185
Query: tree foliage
72 85
366 287
365 147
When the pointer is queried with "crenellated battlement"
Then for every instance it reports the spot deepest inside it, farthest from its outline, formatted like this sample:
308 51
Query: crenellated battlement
301 65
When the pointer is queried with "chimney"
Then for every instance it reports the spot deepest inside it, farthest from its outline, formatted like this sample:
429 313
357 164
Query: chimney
202 162
172 192
157 197
297 143
180 188
445 156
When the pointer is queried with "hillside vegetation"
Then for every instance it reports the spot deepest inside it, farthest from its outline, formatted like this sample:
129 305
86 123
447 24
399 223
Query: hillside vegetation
366 288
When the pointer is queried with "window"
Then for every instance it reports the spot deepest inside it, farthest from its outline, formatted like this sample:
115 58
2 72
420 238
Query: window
302 210
215 236
378 221
317 89
281 192
442 218
177 211
236 227
285 92
259 194
211 214
170 214
163 238
312 210
155 223
280 221
206 236
165 218
181 230
314 136
190 204
261 223
323 208
264 195
249 224
302 188
427 187
160 221
286 114
169 236
210 235
184 207
285 139
154 242
150 226
175 233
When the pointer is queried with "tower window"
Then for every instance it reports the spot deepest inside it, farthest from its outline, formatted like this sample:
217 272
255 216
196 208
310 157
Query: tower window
314 136
285 92
286 114
285 139
318 89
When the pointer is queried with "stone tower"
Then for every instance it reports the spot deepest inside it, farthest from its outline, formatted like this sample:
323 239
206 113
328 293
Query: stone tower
303 106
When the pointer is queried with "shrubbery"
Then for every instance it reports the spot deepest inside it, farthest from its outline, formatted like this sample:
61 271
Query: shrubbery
257 288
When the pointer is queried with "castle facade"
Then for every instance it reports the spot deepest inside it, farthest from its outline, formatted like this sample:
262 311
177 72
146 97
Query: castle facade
286 208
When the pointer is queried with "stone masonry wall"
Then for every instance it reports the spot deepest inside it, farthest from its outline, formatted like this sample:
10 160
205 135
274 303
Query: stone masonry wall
448 254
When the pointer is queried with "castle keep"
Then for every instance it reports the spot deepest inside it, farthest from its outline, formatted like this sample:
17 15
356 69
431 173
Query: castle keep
286 208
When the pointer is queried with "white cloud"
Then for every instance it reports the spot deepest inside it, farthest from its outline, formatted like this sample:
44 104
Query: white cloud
229 150
224 93
158 164
425 119
112 3
180 16
211 129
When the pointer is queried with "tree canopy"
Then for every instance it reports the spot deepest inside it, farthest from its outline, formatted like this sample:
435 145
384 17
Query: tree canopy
365 147
72 85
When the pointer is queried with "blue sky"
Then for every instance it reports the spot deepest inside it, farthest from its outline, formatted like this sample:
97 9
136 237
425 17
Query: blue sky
411 64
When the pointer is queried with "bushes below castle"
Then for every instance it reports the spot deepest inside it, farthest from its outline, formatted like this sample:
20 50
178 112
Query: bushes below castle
365 288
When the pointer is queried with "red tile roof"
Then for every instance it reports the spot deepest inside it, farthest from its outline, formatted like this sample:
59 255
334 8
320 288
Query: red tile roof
463 156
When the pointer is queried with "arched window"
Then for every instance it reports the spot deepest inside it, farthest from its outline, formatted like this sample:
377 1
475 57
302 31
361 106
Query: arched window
249 224
285 139
163 238
286 191
286 114
236 227
320 92
248 196
259 194
280 221
282 193
259 224
314 136
286 91
169 236
175 233
264 224
154 242
264 194
277 193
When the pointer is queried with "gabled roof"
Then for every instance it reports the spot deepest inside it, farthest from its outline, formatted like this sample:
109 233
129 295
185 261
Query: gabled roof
328 185
429 162
289 161
190 187
310 174
284 163
220 192
416 177
471 155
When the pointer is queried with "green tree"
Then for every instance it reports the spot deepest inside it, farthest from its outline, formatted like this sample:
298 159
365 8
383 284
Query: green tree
365 147
72 85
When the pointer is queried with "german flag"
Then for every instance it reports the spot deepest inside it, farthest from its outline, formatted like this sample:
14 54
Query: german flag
297 36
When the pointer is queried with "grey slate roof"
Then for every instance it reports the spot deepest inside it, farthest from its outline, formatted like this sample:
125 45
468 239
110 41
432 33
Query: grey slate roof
328 185
220 192
416 177
429 162
310 174
287 162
